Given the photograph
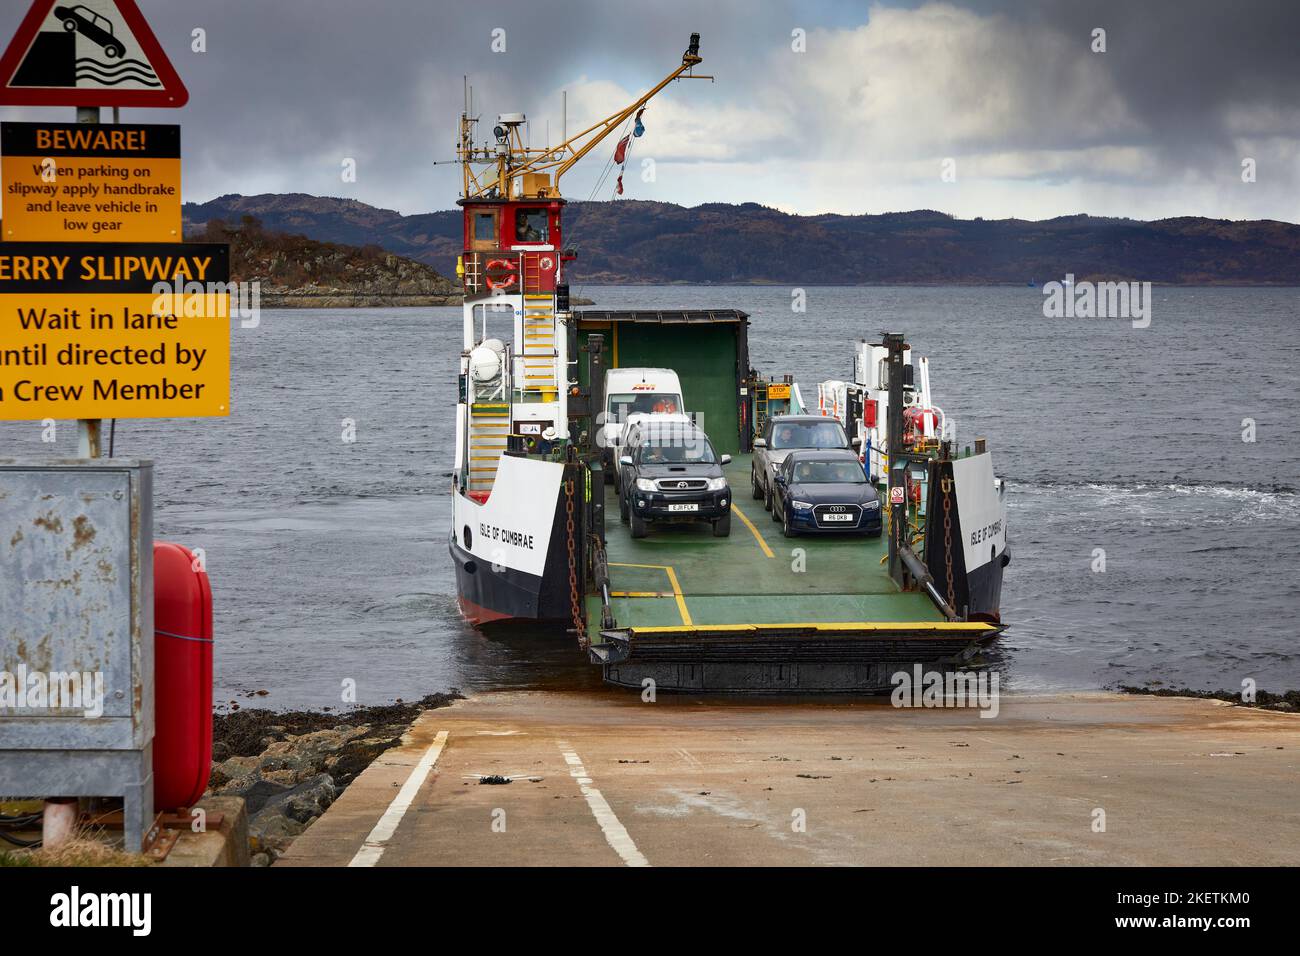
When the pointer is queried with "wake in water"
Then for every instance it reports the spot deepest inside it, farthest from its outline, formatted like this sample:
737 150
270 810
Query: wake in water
1182 504
1189 486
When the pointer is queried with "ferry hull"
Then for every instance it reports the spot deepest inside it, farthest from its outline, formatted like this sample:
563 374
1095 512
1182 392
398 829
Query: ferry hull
497 595
511 551
975 550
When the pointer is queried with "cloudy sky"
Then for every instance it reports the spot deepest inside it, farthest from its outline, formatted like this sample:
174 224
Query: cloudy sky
862 119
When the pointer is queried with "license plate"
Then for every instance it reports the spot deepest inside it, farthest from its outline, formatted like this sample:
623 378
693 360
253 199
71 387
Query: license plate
833 517
689 507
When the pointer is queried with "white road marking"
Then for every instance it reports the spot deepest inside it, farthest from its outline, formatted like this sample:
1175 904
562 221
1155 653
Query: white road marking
615 835
377 842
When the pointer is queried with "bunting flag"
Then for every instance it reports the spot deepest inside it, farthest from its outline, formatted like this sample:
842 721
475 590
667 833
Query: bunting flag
620 151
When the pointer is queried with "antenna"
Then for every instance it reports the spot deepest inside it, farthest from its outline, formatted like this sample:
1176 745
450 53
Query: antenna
514 156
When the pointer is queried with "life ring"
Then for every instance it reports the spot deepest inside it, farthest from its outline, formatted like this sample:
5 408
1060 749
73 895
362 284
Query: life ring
500 274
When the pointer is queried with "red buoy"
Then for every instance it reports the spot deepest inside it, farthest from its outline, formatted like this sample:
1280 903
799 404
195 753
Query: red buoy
182 612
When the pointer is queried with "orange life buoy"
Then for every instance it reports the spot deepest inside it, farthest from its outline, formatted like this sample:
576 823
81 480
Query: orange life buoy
501 274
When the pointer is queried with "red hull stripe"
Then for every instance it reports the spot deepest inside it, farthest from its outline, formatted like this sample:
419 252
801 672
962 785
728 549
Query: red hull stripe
481 615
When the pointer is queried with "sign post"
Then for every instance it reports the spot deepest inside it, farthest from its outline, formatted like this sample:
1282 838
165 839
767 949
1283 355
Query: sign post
89 430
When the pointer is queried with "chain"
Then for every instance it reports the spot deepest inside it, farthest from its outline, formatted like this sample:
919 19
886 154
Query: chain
579 625
946 485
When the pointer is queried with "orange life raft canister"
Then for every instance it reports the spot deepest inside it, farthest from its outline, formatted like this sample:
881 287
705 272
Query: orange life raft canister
182 614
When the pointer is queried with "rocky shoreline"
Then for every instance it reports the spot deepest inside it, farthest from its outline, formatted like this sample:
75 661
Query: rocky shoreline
289 766
345 299
1286 702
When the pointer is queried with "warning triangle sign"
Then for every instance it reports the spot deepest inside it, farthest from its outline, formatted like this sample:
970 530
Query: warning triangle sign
93 53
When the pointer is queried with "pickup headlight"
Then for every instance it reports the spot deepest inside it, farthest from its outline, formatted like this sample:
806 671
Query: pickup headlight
717 484
645 484
801 505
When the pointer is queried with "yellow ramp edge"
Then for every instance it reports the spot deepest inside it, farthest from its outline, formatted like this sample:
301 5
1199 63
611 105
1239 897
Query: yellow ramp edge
855 627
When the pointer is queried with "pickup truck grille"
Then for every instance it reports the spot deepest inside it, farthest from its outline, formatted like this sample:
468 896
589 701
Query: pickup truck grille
682 484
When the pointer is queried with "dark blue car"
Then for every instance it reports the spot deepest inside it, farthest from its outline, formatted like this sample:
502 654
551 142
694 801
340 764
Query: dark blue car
825 491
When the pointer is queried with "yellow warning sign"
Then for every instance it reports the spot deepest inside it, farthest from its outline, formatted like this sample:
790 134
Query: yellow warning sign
114 330
77 181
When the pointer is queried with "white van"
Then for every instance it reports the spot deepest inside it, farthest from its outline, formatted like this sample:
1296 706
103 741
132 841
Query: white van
639 392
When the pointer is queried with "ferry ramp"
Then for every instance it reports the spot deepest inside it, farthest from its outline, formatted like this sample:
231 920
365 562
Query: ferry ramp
759 611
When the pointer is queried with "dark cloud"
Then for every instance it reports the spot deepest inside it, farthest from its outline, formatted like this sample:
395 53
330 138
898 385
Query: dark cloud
288 89
1184 66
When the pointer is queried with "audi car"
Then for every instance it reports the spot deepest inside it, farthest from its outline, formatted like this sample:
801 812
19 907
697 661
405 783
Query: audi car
669 472
824 492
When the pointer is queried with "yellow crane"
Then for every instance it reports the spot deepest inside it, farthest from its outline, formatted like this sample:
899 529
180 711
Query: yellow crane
515 170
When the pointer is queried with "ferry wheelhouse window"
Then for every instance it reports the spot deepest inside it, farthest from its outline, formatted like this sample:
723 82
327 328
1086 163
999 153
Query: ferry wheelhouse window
530 225
485 226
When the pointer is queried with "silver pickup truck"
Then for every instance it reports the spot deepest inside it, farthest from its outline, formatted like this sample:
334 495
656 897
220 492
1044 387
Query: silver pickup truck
784 434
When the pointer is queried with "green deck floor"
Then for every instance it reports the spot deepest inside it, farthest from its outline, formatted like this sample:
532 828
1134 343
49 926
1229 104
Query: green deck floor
681 574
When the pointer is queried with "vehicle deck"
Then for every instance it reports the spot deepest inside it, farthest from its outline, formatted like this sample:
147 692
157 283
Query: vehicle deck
682 594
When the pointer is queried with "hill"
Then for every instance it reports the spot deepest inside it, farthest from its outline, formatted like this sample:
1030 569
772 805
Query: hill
297 271
638 241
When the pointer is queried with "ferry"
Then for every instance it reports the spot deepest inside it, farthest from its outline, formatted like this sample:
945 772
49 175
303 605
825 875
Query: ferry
537 537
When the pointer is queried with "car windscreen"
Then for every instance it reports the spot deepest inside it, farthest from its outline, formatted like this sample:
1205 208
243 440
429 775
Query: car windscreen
828 472
649 403
679 449
808 435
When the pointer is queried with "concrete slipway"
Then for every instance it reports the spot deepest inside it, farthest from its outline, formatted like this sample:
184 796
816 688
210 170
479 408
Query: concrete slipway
607 779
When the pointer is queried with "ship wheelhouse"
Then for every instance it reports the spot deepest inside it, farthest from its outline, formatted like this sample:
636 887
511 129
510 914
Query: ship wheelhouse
514 365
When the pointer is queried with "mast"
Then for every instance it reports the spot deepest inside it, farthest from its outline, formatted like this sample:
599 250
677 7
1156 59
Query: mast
497 170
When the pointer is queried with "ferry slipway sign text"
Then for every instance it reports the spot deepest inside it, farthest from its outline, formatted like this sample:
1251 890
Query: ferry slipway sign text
87 330
92 53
